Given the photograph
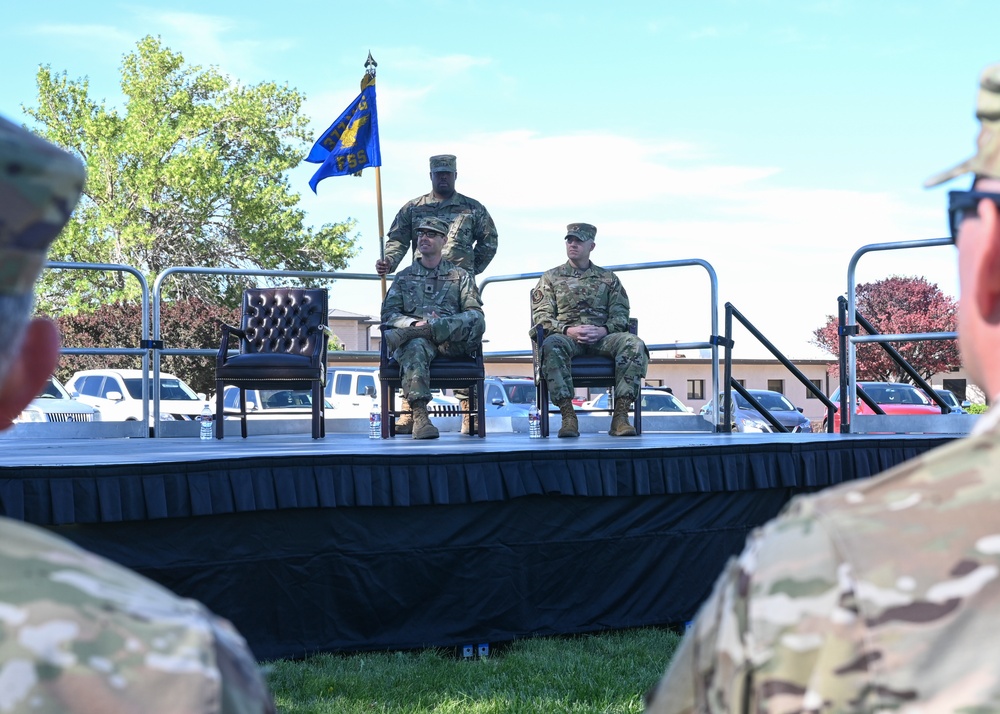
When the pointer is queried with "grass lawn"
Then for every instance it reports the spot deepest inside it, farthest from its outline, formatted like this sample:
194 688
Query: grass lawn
607 673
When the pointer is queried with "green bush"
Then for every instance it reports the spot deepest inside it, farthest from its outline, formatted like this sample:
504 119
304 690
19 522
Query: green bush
977 408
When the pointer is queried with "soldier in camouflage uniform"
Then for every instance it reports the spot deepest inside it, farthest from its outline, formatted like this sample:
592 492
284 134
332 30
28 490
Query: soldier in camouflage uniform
77 632
881 595
472 237
434 307
584 310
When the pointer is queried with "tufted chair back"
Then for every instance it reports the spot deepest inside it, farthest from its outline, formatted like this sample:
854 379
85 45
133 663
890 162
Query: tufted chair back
285 320
282 345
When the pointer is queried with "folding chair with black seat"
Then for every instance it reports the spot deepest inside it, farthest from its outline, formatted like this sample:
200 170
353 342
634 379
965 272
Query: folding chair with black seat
588 371
445 373
283 338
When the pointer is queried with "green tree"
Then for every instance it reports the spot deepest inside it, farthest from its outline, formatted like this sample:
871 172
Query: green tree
192 173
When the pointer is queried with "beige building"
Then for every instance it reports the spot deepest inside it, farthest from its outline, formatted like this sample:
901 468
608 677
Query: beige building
357 333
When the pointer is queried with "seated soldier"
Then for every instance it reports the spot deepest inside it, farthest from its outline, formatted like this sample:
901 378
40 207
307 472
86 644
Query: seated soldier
584 310
434 307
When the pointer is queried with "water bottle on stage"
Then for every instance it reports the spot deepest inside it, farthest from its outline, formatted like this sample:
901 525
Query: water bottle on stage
206 423
534 422
375 422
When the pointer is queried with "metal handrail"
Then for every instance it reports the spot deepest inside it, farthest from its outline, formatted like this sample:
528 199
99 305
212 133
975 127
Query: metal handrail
143 351
731 383
851 324
711 344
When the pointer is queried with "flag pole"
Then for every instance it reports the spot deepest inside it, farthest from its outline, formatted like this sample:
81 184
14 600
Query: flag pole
369 78
381 232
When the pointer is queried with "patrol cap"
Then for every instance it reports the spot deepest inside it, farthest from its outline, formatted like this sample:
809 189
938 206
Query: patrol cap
583 231
434 224
986 161
443 162
39 187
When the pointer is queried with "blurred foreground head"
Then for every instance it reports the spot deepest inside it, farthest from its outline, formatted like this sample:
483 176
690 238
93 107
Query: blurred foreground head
40 185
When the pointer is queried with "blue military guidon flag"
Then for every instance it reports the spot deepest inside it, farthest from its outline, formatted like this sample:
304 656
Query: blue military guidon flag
351 142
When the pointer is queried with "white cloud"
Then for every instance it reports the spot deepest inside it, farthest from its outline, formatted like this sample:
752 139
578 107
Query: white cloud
90 35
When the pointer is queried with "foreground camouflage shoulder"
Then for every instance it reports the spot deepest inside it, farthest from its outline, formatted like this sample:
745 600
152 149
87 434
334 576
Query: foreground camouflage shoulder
39 186
872 596
81 634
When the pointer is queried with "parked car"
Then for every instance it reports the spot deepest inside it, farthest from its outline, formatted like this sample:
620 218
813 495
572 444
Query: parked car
275 403
55 404
652 401
511 396
952 401
747 419
118 394
350 390
892 397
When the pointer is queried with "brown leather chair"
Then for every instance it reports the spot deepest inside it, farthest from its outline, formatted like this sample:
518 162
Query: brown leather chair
587 371
446 373
282 337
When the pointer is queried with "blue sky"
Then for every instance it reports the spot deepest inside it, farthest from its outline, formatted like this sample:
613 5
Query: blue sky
769 138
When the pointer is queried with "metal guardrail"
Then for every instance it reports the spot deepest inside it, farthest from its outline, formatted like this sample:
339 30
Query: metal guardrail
730 383
850 337
712 343
151 339
144 346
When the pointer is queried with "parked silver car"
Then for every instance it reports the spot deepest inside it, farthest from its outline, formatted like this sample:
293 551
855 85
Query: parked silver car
652 401
951 400
747 419
275 403
511 396
55 404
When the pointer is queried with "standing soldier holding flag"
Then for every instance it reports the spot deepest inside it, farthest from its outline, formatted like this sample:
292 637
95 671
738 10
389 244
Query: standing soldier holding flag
471 244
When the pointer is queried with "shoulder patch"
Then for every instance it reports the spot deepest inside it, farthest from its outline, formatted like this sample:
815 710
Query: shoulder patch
536 296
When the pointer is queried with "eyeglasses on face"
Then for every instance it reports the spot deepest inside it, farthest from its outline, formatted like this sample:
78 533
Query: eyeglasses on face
432 234
965 204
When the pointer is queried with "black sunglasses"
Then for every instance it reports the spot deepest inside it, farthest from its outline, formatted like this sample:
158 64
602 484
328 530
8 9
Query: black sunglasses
963 204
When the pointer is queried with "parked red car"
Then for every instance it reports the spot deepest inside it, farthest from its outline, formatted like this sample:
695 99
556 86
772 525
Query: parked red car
892 397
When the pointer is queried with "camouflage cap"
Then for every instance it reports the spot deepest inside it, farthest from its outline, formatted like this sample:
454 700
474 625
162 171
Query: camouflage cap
39 187
583 231
434 224
443 162
986 162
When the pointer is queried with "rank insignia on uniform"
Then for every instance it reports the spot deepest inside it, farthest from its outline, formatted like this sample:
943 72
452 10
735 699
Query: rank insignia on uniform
428 289
536 296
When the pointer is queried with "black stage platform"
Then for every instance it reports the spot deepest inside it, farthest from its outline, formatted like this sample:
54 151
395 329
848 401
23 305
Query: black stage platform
349 544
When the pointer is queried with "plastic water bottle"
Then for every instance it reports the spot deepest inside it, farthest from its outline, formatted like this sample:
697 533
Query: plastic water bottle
534 422
206 419
375 422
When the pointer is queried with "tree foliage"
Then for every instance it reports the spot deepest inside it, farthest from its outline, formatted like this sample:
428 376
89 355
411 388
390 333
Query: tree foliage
192 173
899 305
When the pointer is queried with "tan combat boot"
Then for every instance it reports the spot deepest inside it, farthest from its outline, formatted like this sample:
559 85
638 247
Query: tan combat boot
422 427
463 404
396 338
619 420
404 422
570 426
